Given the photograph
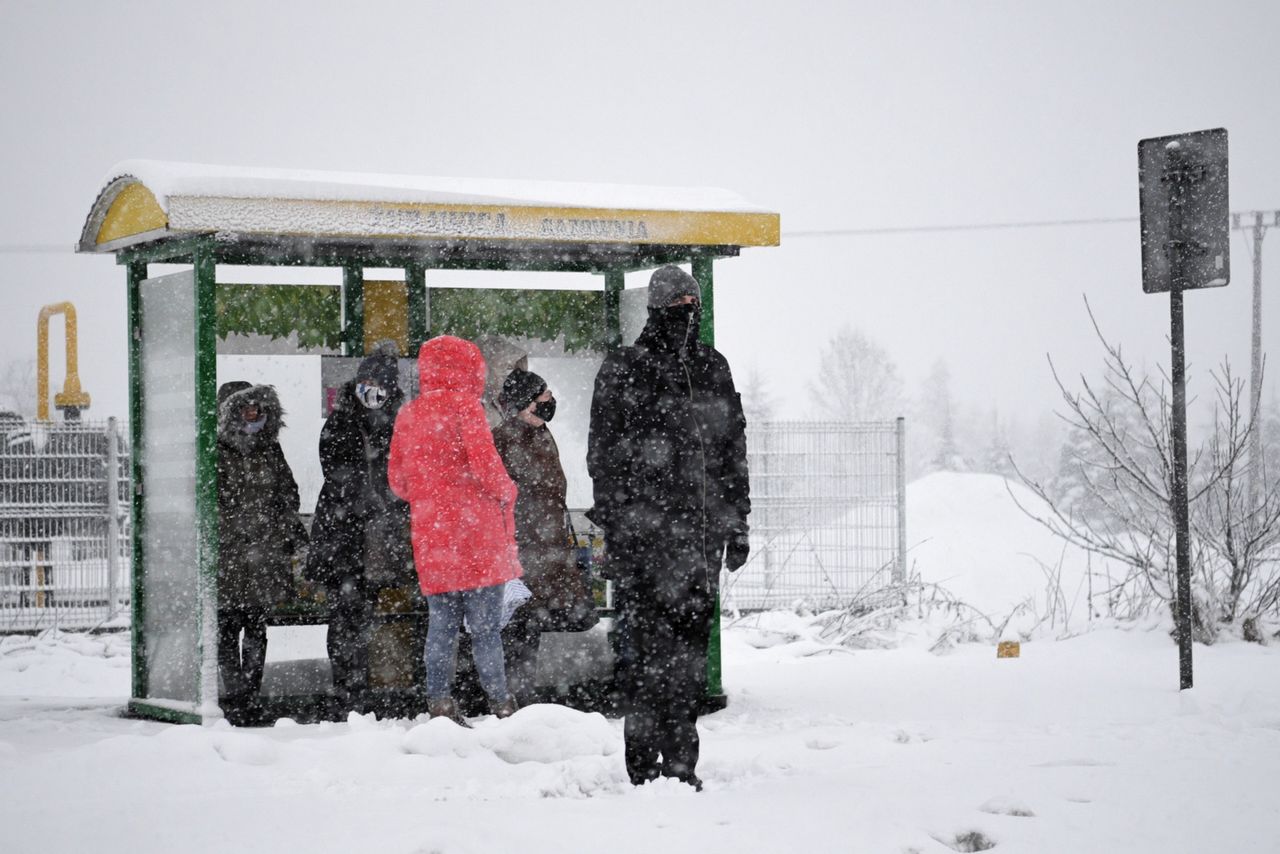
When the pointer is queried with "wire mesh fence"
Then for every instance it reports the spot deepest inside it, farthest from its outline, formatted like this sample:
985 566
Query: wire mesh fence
64 517
827 514
827 521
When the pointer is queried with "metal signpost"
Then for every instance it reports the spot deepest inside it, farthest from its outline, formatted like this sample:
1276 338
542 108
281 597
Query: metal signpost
1182 188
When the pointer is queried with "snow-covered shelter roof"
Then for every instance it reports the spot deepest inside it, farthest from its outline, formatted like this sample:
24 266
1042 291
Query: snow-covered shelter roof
144 201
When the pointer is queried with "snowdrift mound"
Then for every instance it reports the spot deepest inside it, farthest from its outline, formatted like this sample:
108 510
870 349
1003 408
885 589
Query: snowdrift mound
65 664
542 733
967 534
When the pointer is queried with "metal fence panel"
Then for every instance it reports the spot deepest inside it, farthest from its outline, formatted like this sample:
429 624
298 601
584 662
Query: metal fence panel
63 501
827 518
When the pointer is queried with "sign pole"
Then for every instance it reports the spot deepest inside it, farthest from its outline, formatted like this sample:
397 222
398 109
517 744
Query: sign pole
1177 176
1182 192
1182 526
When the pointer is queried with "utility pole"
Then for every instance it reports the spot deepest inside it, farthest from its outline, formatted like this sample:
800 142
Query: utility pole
1255 221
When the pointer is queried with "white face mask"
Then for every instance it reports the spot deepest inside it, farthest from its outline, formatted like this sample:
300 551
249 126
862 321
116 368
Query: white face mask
371 395
252 427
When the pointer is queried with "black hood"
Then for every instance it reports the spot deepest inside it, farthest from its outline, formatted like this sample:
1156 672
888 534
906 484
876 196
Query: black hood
674 329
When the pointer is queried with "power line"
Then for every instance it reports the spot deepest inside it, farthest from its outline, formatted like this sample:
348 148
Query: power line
982 226
36 249
55 248
58 248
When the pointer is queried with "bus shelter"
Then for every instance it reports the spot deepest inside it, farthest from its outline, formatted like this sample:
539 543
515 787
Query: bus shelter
387 235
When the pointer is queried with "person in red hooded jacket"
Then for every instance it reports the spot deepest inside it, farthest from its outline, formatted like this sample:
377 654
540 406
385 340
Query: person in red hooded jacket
443 462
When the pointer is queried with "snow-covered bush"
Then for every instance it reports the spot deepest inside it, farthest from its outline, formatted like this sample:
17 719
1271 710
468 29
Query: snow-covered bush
1114 497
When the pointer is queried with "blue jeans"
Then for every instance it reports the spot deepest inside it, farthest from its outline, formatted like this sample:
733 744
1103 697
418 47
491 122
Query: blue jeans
483 608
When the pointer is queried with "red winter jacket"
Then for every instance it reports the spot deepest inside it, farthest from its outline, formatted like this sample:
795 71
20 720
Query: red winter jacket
444 464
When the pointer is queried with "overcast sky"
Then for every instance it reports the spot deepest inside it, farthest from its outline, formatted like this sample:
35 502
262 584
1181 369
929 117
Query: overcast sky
837 115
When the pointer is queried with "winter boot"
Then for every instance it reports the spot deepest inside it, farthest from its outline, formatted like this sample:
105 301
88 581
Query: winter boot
445 707
686 777
504 709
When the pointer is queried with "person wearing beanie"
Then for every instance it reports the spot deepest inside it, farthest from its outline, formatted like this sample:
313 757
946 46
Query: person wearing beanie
360 533
669 285
561 600
258 534
667 457
520 389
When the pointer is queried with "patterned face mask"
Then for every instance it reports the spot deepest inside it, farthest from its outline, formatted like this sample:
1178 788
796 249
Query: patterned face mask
371 395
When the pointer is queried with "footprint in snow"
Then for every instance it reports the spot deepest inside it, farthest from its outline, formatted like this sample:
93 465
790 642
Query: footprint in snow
1007 806
968 840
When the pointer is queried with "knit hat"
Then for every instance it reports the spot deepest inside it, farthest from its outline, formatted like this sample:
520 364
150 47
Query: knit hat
519 390
668 284
382 366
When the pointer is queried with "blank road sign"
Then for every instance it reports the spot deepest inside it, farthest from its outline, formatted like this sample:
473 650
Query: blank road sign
1182 194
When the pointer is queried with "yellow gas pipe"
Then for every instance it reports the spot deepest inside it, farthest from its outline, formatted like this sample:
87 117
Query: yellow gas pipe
71 397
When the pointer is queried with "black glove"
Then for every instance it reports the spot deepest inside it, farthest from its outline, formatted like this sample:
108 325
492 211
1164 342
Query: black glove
735 553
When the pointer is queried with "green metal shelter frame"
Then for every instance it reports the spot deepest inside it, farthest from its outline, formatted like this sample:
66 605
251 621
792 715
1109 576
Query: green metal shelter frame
150 213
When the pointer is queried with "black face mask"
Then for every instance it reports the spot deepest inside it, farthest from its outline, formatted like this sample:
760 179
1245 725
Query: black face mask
677 326
546 409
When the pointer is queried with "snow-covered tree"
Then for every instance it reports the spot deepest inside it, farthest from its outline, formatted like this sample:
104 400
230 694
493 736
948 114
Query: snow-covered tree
937 437
857 380
1085 452
997 456
1114 495
757 400
18 387
938 420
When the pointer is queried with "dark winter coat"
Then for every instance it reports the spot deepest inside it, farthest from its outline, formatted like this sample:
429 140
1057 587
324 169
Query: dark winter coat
360 526
668 463
444 464
258 526
542 531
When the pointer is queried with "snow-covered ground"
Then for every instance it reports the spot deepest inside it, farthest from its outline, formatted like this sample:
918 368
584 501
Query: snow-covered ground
972 535
1079 745
1083 744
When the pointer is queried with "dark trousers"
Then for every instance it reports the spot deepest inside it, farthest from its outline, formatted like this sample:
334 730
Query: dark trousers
241 665
350 628
520 641
662 670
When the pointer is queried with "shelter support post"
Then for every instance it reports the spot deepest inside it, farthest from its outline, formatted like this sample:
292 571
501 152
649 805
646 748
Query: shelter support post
706 283
614 282
415 283
206 408
702 271
137 273
353 309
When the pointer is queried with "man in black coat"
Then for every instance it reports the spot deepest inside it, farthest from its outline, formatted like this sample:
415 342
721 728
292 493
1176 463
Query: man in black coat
360 534
668 463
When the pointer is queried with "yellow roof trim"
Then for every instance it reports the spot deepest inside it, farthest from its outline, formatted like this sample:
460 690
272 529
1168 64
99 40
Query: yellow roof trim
133 211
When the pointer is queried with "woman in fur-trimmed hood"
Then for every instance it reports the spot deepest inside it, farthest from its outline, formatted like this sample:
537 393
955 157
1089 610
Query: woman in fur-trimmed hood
258 529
